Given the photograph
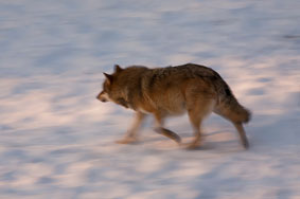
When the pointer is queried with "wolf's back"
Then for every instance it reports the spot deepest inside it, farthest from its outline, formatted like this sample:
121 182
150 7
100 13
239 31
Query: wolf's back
150 85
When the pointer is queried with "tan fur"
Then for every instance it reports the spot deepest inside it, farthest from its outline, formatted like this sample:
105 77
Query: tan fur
191 88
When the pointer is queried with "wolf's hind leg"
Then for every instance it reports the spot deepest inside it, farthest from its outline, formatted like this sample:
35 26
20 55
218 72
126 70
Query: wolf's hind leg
200 108
131 135
166 132
196 123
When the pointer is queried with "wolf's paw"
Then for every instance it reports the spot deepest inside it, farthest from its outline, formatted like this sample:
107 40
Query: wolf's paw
127 140
193 146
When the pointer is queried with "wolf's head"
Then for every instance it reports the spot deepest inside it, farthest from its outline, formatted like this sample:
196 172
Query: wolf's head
112 90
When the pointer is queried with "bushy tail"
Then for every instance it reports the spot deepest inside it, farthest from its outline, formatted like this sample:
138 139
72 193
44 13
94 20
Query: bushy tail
228 106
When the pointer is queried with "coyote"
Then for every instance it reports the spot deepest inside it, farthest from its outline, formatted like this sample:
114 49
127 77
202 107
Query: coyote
162 92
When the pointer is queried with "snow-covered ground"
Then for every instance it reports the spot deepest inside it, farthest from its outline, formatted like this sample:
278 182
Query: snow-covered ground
57 140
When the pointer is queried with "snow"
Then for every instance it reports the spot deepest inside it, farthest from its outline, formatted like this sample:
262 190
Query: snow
57 140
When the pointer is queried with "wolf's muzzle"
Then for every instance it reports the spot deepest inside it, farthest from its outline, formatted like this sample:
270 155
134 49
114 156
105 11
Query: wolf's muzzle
103 97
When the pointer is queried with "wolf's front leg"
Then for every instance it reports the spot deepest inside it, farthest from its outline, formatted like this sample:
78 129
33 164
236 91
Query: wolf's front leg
131 135
166 132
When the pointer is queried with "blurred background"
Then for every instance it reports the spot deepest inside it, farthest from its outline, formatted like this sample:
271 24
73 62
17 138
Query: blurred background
57 140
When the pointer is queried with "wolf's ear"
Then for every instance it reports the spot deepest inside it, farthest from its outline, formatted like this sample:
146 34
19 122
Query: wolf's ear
108 77
118 68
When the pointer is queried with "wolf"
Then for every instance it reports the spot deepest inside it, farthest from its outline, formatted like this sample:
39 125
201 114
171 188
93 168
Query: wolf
190 88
